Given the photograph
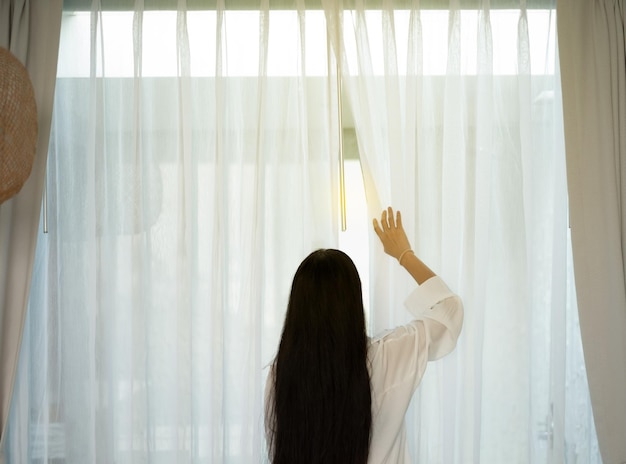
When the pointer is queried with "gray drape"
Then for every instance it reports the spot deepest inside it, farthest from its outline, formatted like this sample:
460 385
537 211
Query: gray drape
30 30
593 73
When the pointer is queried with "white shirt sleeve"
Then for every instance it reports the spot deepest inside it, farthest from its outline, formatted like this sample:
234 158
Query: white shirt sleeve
438 314
398 360
442 312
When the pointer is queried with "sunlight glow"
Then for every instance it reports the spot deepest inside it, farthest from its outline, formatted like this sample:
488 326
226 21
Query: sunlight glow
242 30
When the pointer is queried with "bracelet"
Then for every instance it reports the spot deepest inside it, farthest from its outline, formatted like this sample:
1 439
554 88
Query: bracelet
402 255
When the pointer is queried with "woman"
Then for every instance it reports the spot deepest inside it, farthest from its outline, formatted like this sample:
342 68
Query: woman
333 395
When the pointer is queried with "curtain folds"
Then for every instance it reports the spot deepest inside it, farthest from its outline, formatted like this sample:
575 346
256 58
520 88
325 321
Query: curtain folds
30 30
189 174
458 120
192 165
592 47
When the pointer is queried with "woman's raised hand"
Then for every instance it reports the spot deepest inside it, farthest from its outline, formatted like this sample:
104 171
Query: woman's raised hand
396 244
391 234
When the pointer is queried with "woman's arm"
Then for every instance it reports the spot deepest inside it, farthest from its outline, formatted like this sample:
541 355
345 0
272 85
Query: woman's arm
396 244
433 304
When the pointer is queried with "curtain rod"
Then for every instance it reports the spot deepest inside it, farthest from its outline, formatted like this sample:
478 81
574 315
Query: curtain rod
129 5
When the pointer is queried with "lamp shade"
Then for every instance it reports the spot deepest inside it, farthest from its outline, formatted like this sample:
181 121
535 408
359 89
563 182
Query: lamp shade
18 125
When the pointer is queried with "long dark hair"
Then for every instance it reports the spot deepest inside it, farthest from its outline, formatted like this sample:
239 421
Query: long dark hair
321 411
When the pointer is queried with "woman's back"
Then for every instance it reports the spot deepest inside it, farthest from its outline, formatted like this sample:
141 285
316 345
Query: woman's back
335 396
321 385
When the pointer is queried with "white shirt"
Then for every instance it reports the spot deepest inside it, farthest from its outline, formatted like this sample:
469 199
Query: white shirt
398 360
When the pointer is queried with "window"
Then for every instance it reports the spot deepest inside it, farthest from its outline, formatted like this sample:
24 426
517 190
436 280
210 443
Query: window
192 164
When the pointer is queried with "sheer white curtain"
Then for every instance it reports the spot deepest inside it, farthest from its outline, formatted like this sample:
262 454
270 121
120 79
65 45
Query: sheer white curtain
192 168
189 174
458 119
592 42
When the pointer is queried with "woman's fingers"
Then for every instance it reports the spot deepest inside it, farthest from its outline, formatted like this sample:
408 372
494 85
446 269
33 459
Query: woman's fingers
387 220
377 229
390 217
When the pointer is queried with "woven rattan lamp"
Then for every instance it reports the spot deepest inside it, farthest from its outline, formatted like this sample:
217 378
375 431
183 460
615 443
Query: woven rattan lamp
18 125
